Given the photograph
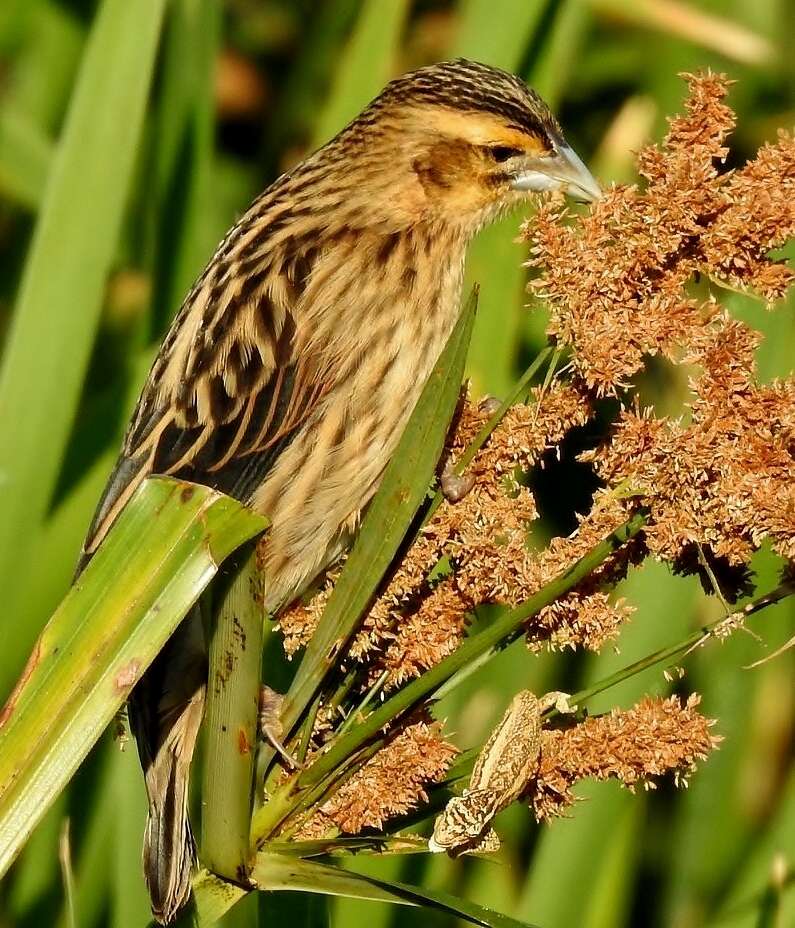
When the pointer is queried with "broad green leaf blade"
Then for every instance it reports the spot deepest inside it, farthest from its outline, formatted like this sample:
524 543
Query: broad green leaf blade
212 897
366 64
404 486
39 591
274 872
230 719
162 551
60 297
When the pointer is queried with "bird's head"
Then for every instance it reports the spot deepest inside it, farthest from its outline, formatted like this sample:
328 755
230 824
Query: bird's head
459 142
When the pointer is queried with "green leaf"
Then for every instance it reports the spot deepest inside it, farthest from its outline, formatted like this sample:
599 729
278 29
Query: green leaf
497 31
230 717
273 872
51 37
560 53
403 488
60 297
178 193
162 551
366 64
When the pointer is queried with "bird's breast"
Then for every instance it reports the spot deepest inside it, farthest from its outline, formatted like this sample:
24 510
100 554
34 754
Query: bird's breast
382 337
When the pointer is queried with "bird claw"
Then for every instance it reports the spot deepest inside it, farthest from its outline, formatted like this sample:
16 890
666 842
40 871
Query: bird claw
489 404
270 726
455 486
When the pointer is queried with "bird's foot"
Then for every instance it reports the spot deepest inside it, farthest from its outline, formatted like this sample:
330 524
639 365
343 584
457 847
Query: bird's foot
455 486
270 726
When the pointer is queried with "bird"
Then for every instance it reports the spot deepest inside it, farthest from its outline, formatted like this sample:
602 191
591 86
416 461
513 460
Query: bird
291 368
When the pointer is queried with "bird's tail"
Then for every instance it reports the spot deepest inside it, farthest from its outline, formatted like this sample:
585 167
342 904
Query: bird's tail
165 713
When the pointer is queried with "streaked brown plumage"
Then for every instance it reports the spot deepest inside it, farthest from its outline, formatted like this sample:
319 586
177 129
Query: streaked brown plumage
289 372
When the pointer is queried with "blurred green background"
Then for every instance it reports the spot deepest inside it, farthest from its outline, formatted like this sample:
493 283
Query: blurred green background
132 133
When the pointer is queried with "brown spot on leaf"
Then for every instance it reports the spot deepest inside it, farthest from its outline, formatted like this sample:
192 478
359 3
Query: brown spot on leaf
187 494
126 678
243 744
33 662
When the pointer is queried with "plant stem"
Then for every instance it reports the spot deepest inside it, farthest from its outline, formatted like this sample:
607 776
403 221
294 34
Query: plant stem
306 729
358 711
231 718
684 647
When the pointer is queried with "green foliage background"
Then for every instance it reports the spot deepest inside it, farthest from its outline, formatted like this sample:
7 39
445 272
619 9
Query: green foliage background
131 136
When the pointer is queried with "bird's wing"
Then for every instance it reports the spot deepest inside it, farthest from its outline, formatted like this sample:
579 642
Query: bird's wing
227 389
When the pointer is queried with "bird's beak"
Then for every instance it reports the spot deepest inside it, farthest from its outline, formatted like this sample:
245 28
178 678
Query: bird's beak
562 170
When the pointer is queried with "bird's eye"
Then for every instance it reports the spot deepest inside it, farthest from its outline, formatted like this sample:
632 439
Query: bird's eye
504 152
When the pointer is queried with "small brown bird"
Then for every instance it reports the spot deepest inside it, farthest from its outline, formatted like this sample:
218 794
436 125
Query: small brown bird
290 370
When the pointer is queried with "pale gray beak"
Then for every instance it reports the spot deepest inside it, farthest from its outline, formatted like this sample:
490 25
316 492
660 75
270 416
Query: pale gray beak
562 170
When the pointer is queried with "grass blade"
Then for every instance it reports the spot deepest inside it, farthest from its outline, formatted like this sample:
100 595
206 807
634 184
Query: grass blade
178 194
105 633
43 72
61 292
497 31
231 717
366 64
275 872
212 897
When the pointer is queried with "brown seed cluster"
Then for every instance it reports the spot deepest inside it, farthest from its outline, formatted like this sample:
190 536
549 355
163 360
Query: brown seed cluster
634 746
723 480
392 783
614 280
617 284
